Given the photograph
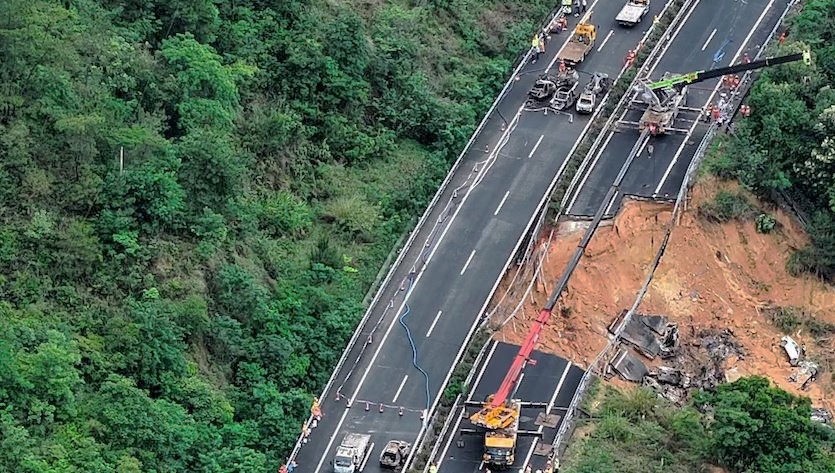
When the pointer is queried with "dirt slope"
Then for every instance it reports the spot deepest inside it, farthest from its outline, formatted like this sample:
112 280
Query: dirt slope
712 276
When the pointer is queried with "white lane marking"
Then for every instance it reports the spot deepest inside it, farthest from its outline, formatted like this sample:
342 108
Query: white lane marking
440 459
467 263
709 100
588 173
548 410
704 46
432 327
611 203
501 203
429 258
582 19
397 394
672 38
611 32
483 368
367 456
330 441
536 146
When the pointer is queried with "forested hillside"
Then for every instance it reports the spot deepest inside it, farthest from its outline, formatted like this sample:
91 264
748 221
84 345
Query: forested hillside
195 197
786 150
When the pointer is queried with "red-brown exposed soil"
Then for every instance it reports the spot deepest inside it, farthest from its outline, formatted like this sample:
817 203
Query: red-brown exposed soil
712 276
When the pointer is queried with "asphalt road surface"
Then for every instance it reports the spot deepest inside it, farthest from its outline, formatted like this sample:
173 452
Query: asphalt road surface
468 255
722 30
552 380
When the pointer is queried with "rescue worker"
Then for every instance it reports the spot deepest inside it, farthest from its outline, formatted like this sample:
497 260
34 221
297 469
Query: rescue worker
745 111
630 57
563 23
562 67
584 6
283 469
291 466
535 47
433 468
542 40
576 8
745 58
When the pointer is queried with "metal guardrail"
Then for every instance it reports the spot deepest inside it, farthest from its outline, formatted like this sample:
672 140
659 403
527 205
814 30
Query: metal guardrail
521 60
599 362
544 209
602 358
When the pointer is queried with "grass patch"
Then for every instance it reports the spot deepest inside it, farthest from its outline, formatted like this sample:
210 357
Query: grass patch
727 206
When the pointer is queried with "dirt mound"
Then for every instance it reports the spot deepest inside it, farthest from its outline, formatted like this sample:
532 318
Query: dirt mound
712 277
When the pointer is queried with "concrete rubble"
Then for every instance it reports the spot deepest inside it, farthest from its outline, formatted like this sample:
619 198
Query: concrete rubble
821 415
805 373
699 364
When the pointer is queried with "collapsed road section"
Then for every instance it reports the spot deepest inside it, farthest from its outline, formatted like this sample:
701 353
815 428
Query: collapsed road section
390 379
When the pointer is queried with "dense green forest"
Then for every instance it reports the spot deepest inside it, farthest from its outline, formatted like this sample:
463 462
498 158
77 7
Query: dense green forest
785 151
196 196
744 426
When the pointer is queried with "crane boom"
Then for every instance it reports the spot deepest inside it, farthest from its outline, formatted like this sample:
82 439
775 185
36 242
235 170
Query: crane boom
700 76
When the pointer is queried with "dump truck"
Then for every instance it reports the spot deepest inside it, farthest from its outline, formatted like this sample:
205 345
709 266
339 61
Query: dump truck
395 453
351 453
598 85
633 12
581 42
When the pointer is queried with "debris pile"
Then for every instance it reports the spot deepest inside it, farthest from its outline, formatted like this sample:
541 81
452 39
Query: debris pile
699 364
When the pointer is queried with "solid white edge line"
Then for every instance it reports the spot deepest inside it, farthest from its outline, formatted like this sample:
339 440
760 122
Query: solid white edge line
588 173
708 39
400 388
330 441
501 203
432 327
536 146
367 456
709 100
605 40
673 37
467 263
469 398
583 18
548 410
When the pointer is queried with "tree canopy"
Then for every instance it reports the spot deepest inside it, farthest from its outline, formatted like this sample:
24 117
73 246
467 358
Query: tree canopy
195 197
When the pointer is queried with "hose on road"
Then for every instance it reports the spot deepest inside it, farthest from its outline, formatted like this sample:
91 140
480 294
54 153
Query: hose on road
406 311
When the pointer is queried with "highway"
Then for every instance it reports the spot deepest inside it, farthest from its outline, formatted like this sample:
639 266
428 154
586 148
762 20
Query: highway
714 30
552 380
451 279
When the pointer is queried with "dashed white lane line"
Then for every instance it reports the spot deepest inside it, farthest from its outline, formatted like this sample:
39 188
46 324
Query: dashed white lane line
397 394
708 39
432 327
501 203
467 263
611 32
536 146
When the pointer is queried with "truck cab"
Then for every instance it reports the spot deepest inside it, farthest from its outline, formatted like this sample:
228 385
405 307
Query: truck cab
499 448
351 453
633 12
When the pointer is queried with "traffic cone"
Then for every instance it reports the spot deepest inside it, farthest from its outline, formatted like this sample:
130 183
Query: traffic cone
486 148
367 406
381 407
338 396
400 412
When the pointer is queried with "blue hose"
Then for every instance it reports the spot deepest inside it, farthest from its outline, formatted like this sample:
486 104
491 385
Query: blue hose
412 343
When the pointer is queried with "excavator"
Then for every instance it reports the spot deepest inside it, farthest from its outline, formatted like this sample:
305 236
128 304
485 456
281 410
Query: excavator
667 97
